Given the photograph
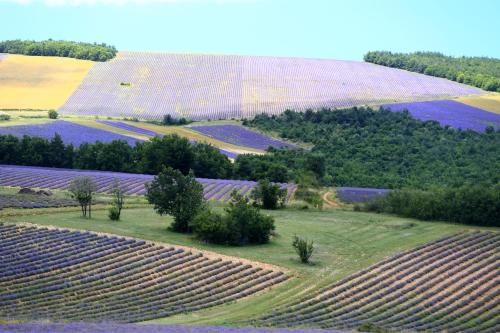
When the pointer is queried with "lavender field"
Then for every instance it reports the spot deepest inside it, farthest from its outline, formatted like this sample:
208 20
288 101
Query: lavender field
451 113
139 130
128 127
446 285
359 194
132 184
240 136
198 86
63 275
70 133
133 328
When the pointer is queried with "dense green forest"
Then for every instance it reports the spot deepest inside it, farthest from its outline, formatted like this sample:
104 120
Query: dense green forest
481 72
374 148
59 48
471 204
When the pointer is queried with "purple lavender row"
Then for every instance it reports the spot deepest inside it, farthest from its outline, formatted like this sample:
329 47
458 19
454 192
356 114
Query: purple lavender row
138 328
128 127
199 86
450 113
133 184
359 195
240 136
70 133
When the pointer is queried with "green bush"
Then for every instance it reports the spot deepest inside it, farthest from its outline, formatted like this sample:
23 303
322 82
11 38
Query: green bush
303 248
114 213
241 224
53 114
4 116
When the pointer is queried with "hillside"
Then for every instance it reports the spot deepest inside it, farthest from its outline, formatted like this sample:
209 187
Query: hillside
199 86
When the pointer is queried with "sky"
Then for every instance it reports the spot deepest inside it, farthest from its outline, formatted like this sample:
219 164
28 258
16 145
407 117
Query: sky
309 28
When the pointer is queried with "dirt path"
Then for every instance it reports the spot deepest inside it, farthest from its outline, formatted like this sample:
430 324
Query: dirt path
328 201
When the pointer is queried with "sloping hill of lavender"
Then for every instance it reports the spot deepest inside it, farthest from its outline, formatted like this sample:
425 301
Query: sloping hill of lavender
199 86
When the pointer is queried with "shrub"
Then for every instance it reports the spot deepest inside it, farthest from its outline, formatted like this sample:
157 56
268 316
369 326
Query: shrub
53 114
210 227
175 194
269 195
303 248
4 116
242 224
114 213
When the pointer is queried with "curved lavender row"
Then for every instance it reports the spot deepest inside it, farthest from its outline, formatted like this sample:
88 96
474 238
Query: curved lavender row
133 328
60 275
199 86
240 136
359 194
58 178
451 113
70 133
440 286
128 127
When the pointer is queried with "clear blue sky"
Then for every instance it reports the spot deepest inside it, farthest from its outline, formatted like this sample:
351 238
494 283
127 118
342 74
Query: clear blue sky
309 28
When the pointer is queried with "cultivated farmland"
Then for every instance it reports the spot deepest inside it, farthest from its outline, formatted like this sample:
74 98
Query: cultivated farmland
71 133
451 113
54 178
198 86
39 82
451 284
71 275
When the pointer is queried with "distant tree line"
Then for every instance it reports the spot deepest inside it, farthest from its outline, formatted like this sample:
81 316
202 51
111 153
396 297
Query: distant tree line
469 204
363 147
480 72
59 48
146 157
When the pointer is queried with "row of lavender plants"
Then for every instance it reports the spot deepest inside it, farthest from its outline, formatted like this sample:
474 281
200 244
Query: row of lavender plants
132 184
444 285
141 328
199 86
53 274
23 201
359 194
140 130
240 136
70 133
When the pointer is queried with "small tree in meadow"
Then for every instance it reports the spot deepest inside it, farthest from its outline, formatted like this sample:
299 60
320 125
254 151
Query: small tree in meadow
269 195
118 200
53 114
82 190
303 248
175 194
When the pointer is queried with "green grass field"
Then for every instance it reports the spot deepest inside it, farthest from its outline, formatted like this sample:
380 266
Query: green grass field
345 241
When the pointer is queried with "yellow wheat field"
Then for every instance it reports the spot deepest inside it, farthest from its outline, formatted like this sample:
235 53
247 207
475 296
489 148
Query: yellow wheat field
489 102
39 82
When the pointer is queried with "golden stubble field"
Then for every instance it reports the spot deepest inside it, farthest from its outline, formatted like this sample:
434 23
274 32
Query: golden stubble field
29 82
